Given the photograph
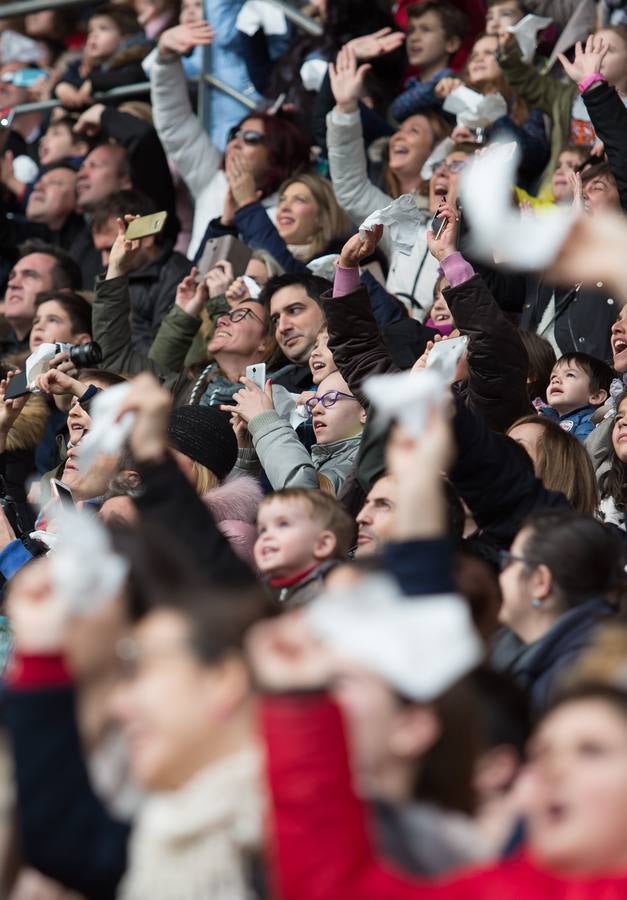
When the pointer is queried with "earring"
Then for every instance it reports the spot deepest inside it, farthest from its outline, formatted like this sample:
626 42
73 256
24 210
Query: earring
536 603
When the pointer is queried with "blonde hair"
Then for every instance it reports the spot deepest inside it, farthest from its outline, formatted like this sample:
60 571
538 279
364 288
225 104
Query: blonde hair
326 510
204 478
333 222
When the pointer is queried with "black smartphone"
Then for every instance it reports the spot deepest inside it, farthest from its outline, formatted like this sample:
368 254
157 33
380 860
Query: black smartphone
438 223
63 493
17 387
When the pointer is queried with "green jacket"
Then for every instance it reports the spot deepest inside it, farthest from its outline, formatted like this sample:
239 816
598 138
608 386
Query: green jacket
546 94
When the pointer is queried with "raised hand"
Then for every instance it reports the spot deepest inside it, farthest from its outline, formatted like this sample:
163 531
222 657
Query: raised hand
219 278
357 247
446 243
446 86
89 121
587 60
152 406
347 79
369 46
9 409
182 38
285 656
241 180
251 400
123 253
190 295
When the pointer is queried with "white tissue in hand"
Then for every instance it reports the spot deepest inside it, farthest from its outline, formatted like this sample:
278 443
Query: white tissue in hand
419 645
526 34
286 405
403 219
256 14
37 362
407 397
312 73
445 355
497 228
324 266
86 572
106 435
252 287
475 110
439 153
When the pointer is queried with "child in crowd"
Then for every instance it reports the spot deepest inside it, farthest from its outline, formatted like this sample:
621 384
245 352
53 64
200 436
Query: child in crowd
560 190
302 534
436 32
338 421
60 141
502 14
440 316
579 385
110 57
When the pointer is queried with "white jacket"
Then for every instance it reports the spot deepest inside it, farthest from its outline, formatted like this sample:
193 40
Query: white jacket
189 147
412 276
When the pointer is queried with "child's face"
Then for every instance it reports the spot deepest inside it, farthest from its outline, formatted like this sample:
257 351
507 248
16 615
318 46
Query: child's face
191 11
614 65
56 144
343 419
482 64
290 540
500 16
427 43
440 313
321 360
103 38
569 388
562 189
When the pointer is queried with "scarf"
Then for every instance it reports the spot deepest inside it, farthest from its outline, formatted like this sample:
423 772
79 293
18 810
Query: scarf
197 843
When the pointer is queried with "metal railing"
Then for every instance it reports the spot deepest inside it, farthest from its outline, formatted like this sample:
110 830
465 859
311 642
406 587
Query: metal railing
305 23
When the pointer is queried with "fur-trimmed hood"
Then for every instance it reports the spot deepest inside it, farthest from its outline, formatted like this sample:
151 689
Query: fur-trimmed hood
28 429
237 499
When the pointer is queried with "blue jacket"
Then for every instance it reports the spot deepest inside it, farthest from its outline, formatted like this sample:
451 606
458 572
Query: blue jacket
578 423
537 666
418 96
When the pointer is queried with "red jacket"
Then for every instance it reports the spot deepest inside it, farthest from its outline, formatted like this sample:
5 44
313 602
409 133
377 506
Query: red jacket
321 846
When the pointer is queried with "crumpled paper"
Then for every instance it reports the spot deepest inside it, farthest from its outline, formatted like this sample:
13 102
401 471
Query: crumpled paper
252 287
287 407
419 645
445 355
407 397
324 266
37 362
106 435
403 219
86 572
475 110
312 73
256 14
497 228
439 153
526 34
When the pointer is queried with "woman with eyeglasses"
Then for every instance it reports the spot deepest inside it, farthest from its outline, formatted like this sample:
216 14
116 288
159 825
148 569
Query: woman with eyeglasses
270 147
558 582
337 419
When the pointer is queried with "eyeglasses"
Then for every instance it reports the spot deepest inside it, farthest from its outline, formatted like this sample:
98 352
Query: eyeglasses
506 559
236 315
253 138
453 167
328 400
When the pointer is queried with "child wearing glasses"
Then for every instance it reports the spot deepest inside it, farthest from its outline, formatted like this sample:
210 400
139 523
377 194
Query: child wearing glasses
337 419
302 534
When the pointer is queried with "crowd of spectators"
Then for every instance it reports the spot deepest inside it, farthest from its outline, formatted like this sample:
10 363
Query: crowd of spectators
313 451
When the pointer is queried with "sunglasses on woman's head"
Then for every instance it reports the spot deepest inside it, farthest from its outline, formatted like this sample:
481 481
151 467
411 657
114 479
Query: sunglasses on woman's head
254 138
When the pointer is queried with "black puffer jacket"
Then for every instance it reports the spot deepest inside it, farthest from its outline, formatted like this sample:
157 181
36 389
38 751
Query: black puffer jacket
153 291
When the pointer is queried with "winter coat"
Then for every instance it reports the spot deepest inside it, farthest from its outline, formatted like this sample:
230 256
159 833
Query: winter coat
582 320
287 462
293 592
537 667
190 148
322 846
578 422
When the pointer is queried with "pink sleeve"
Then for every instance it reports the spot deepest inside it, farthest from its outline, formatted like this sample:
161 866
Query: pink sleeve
456 270
346 281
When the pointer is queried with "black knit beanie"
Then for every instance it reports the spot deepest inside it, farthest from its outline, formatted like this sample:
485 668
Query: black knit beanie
205 435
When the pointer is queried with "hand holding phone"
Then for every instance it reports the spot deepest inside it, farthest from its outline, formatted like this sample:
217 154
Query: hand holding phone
146 226
257 374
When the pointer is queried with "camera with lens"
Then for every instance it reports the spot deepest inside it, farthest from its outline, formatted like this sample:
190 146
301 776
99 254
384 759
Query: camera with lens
82 355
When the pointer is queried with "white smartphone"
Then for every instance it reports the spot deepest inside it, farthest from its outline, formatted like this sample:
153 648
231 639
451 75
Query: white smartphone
257 374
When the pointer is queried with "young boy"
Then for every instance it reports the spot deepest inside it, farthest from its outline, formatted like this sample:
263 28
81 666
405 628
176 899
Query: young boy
60 142
579 385
501 14
560 189
110 31
436 32
302 533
